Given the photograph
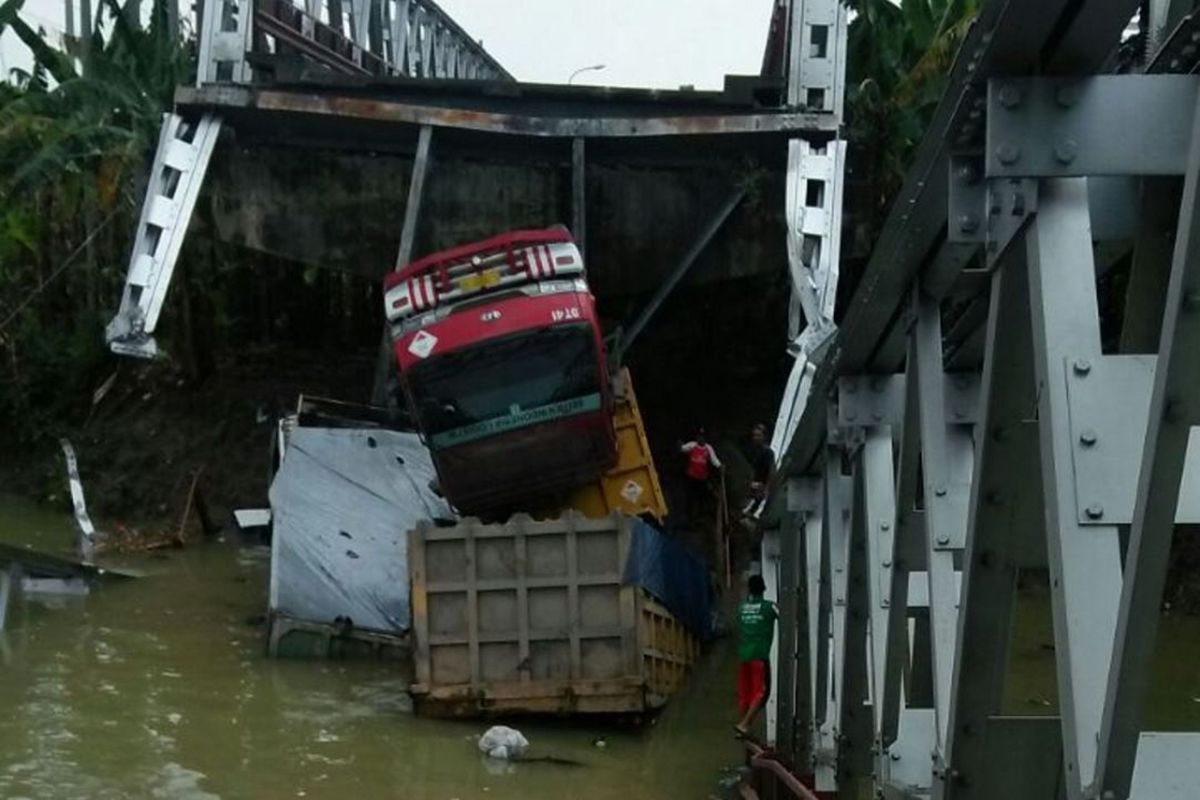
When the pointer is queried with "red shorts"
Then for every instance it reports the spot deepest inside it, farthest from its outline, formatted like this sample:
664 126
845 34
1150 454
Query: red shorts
754 684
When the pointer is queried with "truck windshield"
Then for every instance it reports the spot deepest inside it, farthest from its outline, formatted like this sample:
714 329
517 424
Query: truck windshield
523 379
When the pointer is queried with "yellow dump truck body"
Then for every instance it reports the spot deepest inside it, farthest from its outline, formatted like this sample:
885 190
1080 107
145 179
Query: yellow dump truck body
631 486
533 616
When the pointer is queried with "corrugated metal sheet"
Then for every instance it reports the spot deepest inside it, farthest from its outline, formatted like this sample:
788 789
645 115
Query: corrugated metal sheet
341 504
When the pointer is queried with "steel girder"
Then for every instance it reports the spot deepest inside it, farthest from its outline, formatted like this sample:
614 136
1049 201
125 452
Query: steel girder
1024 191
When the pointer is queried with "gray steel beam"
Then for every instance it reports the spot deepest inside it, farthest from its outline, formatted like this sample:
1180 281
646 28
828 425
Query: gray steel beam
326 106
806 614
579 194
854 720
1006 474
1041 127
385 361
946 474
789 621
1084 560
1174 409
879 511
416 194
909 539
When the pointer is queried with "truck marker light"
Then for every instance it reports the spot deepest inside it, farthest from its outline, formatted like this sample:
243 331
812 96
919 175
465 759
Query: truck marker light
422 344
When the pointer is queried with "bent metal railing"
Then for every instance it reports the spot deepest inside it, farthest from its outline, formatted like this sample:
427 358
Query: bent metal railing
410 38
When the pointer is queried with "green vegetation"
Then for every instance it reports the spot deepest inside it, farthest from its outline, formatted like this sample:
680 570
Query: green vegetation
75 135
899 58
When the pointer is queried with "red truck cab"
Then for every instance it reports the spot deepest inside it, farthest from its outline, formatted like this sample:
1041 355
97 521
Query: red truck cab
502 361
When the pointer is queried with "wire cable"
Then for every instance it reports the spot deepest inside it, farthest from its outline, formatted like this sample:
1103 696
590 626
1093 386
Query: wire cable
58 270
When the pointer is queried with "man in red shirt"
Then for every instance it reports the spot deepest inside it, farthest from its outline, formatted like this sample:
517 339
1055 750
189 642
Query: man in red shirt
701 460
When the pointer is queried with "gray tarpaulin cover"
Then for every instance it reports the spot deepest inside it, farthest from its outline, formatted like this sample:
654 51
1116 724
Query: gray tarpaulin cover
342 503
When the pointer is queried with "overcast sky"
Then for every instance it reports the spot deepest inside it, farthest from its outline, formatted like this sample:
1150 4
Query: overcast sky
654 43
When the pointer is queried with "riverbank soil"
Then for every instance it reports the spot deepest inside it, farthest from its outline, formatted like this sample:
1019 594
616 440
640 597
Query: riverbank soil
141 445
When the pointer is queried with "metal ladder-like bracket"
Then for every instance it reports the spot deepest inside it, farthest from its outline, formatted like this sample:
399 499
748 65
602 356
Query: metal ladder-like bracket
184 149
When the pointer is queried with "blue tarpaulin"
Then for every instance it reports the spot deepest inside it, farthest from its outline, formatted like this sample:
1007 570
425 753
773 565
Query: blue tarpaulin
665 568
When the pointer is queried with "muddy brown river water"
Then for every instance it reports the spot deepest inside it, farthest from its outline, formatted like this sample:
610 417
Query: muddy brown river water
159 688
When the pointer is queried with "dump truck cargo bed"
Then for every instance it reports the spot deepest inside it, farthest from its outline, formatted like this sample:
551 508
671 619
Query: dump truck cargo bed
536 617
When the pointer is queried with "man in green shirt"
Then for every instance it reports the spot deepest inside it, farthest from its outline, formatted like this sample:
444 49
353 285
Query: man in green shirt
756 630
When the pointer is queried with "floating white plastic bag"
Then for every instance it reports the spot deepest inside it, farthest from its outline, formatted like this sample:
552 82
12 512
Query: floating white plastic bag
503 742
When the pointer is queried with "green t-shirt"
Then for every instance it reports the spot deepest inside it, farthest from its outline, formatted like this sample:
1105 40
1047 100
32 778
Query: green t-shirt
756 629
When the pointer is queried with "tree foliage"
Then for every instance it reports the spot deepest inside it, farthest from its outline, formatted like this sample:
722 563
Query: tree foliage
76 131
898 58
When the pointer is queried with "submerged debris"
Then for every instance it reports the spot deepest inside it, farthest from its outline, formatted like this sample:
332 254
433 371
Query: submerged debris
503 742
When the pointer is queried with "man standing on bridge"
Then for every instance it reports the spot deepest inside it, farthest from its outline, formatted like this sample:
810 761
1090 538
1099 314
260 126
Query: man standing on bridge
756 631
762 462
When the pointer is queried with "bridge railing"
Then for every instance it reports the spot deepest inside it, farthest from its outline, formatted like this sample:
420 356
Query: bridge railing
412 38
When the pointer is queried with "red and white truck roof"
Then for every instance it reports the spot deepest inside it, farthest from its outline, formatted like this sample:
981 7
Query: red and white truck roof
502 262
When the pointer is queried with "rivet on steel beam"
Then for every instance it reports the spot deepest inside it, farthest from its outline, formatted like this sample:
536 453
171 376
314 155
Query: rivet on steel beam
885 603
1088 437
940 491
1095 511
1010 96
885 525
967 173
895 756
967 223
1082 366
943 540
885 563
1066 150
1008 153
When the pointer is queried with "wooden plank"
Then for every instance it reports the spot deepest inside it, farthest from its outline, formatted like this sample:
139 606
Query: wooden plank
473 606
419 602
573 596
522 605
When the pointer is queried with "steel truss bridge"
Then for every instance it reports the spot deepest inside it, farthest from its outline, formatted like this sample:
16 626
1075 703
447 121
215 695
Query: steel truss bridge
969 421
964 421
